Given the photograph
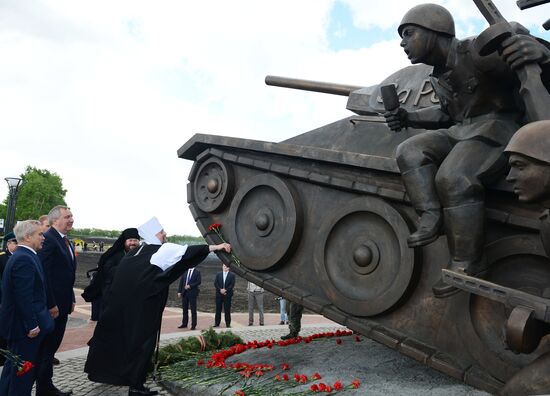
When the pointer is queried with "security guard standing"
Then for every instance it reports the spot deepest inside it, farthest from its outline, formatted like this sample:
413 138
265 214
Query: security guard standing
10 244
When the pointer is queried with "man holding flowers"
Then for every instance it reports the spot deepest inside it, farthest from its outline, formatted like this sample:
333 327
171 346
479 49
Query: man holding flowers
24 316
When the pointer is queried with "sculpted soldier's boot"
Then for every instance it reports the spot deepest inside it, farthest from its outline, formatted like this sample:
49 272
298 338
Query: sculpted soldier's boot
465 230
421 190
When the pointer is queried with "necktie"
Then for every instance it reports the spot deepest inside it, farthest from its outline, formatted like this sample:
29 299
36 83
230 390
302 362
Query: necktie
68 245
188 276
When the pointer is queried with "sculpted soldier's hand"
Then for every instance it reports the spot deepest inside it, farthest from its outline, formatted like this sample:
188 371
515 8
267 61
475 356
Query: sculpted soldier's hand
396 120
222 246
521 49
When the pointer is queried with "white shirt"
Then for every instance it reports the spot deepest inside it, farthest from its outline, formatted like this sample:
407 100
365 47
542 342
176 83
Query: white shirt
252 287
224 278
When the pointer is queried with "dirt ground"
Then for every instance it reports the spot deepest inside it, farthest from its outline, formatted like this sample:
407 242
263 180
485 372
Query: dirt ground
206 301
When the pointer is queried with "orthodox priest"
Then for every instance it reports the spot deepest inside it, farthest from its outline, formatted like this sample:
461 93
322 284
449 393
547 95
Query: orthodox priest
124 339
102 279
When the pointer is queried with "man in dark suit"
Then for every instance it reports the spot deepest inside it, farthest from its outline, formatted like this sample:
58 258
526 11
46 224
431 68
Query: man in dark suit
59 264
188 291
24 316
224 284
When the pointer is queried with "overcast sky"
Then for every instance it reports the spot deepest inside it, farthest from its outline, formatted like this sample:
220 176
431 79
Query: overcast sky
105 92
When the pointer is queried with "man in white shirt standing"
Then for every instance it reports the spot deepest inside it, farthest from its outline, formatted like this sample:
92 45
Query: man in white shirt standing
255 294
224 284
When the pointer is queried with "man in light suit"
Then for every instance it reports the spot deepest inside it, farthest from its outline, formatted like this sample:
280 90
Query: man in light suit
59 263
24 316
224 284
188 291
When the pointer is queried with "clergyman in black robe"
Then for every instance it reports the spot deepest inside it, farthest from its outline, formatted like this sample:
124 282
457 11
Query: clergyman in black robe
124 339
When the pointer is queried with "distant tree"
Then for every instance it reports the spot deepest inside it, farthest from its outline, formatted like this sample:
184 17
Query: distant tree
41 191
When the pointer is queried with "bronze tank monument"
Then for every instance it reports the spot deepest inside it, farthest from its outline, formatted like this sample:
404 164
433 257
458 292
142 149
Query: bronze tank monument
398 221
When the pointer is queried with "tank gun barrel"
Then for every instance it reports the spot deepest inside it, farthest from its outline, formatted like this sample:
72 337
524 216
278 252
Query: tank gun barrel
308 85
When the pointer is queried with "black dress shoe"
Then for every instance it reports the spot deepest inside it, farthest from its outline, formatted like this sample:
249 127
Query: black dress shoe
193 328
289 336
55 361
182 327
216 326
143 391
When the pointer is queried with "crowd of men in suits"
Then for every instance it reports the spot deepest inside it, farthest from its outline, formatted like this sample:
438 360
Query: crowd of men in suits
36 299
37 275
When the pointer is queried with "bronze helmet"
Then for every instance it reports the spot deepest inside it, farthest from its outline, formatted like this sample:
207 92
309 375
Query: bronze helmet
532 140
430 16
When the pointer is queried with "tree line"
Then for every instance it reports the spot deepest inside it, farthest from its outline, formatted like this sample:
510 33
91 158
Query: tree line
42 190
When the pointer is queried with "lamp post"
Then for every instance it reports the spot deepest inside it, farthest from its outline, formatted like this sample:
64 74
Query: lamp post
13 183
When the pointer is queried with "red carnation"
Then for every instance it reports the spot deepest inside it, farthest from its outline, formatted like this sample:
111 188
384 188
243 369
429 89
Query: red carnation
338 385
329 389
25 368
239 393
285 377
316 376
357 338
314 388
214 226
338 341
355 383
277 377
285 366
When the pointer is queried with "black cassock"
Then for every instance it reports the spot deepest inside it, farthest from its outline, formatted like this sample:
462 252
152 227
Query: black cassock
125 336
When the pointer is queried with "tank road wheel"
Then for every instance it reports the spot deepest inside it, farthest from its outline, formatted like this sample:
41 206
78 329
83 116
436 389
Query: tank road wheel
517 262
265 221
213 185
362 258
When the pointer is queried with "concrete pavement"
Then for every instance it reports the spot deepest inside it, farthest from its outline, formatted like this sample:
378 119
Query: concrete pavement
69 375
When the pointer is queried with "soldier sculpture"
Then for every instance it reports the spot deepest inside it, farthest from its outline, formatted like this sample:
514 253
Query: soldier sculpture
529 160
445 170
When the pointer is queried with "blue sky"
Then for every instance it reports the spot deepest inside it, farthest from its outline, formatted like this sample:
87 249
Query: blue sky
343 33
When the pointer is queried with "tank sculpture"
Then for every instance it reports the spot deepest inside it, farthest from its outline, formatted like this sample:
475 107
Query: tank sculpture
330 219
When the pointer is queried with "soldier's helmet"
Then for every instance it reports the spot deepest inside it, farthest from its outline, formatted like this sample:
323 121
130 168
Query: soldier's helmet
532 140
429 16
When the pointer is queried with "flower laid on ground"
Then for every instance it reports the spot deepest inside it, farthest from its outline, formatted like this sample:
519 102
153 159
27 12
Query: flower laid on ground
253 379
23 366
216 228
338 385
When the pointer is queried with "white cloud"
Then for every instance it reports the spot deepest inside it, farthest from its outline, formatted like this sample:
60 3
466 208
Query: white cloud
105 92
